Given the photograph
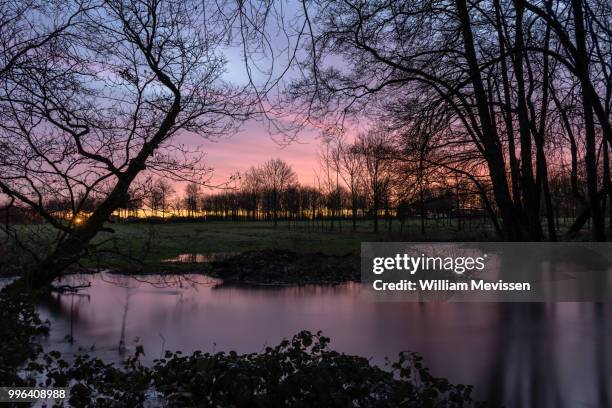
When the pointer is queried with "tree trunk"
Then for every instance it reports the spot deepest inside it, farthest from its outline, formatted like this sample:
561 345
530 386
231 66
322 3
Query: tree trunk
354 211
528 186
492 150
75 245
514 169
582 68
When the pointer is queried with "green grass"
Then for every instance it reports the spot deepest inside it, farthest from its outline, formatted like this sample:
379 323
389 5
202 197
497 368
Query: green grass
153 243
144 246
163 241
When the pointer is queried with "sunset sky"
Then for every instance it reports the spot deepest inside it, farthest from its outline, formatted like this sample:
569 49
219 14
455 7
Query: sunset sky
253 145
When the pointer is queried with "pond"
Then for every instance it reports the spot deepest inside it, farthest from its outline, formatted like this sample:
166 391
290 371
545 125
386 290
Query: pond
528 355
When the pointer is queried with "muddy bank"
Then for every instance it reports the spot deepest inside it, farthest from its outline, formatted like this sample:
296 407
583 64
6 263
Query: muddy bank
282 267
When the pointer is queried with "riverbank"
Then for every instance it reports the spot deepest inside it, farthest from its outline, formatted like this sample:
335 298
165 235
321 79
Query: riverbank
283 267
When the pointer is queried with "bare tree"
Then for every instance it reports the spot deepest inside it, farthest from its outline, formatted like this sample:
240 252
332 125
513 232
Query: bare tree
86 112
277 176
500 73
376 154
350 168
192 199
329 162
252 184
161 196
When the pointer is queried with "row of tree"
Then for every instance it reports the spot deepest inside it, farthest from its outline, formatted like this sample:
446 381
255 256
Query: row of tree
355 181
508 94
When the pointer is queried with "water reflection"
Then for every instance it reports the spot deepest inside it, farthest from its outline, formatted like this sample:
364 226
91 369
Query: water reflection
192 257
521 355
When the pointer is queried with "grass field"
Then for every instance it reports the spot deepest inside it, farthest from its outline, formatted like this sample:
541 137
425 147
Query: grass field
153 243
144 246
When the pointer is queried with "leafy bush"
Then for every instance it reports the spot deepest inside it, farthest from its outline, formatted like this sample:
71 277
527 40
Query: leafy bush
95 383
301 372
20 327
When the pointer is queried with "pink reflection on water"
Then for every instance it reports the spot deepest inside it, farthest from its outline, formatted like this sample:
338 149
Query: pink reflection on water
192 257
529 355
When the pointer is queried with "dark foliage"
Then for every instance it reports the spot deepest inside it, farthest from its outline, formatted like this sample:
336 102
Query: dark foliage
20 327
281 267
301 372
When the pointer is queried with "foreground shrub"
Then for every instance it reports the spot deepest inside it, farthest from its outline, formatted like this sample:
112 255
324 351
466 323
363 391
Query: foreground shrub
20 328
301 372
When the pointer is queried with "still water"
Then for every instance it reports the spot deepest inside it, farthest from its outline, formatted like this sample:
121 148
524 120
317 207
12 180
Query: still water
516 355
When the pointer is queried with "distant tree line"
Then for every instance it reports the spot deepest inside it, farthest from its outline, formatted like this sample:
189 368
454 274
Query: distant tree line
365 180
358 180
